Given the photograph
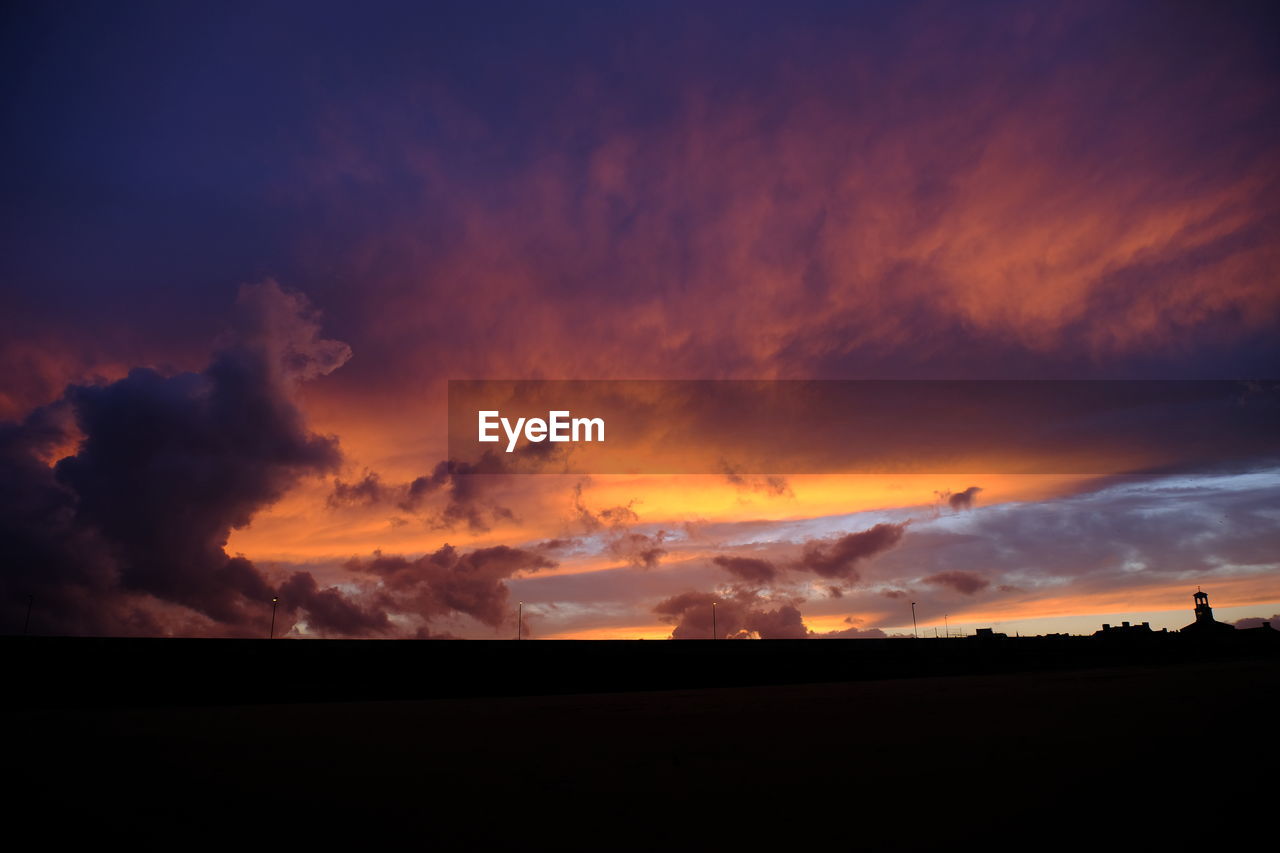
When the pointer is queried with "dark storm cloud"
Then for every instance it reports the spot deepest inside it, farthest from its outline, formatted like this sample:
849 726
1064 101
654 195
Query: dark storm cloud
166 467
449 581
63 569
1124 156
170 464
329 610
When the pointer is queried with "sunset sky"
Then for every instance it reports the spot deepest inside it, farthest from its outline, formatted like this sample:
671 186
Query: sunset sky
247 245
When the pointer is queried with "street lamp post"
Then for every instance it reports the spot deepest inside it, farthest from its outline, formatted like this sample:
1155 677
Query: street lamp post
275 602
915 629
714 634
520 621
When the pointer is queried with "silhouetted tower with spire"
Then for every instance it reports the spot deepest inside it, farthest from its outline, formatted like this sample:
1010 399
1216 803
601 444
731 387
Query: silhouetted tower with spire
1204 613
1205 624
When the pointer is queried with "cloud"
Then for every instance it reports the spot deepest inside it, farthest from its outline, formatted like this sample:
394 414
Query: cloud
959 501
963 582
1258 622
840 558
739 615
1112 534
467 487
464 486
365 491
747 568
851 633
643 550
770 485
782 623
165 468
742 614
448 581
834 559
1142 244
329 610
1136 211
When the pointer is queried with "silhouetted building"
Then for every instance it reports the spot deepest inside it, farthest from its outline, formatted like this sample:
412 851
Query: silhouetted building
1205 624
989 634
1124 629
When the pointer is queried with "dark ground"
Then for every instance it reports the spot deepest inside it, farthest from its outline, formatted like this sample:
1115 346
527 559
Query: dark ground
1147 756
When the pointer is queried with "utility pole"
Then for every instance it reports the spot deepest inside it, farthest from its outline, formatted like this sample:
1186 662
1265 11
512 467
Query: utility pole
714 634
946 625
520 622
275 602
915 629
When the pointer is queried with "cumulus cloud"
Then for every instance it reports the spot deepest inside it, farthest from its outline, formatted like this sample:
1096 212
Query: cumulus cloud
165 468
781 623
329 610
739 615
742 614
448 581
853 632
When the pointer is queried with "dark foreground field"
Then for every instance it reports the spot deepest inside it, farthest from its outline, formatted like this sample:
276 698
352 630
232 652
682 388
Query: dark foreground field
1133 756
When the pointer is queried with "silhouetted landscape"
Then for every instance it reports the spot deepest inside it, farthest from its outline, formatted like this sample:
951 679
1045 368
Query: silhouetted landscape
901 744
122 671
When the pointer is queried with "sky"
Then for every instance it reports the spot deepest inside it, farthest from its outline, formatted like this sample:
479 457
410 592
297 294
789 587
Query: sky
246 247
